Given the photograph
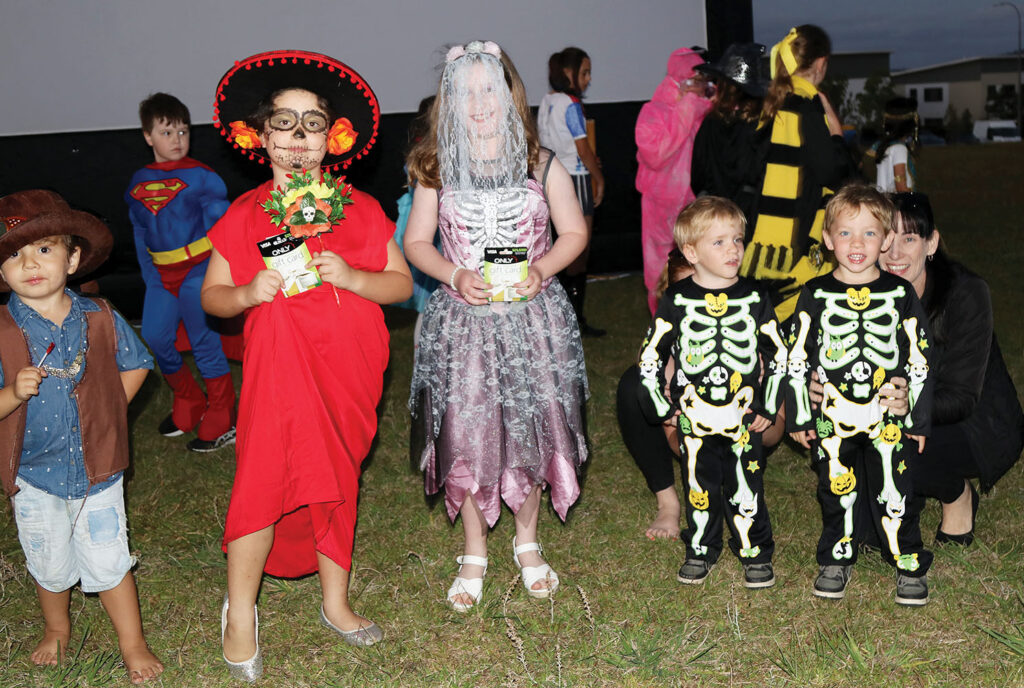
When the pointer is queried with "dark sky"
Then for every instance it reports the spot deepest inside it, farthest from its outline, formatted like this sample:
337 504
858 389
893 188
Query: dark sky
917 32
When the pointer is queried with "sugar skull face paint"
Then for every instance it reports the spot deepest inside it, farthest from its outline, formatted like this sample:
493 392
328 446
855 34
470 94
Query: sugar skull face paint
295 135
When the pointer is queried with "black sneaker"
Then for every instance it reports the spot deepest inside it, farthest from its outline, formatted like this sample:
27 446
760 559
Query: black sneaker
167 428
911 592
203 446
694 571
831 581
758 575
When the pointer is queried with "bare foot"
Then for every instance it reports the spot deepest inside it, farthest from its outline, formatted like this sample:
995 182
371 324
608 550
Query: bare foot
239 642
142 665
666 523
51 648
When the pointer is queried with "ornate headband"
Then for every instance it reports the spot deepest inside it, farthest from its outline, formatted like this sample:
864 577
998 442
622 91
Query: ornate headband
457 51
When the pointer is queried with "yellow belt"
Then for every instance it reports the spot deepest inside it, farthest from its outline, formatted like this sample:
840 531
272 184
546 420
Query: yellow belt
179 255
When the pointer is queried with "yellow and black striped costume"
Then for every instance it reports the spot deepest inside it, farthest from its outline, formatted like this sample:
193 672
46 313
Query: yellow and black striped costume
804 163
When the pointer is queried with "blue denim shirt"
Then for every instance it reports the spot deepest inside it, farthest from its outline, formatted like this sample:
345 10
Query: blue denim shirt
51 456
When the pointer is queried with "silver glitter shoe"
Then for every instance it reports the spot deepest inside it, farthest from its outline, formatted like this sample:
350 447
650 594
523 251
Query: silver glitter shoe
364 636
251 669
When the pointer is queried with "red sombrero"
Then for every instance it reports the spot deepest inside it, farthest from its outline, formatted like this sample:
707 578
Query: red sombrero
255 77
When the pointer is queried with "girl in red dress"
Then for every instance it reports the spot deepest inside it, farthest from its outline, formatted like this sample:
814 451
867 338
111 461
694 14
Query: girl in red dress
315 341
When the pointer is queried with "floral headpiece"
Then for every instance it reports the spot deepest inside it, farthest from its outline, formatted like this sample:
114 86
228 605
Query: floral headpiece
457 51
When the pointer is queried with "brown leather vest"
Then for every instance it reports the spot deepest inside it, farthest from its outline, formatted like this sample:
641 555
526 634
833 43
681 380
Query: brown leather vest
102 407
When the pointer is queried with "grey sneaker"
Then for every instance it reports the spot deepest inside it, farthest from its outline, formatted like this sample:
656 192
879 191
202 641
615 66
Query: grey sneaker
831 581
758 575
694 571
911 592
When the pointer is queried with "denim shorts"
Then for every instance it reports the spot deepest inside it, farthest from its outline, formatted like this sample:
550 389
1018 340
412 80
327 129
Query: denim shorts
67 540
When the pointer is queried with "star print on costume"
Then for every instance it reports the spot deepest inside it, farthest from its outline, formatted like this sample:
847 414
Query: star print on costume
867 334
718 338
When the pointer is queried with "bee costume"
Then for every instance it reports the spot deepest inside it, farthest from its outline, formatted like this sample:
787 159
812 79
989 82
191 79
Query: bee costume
857 338
716 340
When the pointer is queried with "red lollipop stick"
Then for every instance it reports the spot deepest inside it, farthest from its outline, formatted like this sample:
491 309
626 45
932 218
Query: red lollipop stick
48 350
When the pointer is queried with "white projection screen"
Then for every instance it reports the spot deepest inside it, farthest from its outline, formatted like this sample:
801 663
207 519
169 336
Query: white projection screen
82 65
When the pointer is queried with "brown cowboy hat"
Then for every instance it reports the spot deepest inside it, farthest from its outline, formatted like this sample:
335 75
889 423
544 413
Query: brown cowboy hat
27 216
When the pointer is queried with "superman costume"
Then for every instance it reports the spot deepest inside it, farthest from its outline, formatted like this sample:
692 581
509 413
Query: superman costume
172 205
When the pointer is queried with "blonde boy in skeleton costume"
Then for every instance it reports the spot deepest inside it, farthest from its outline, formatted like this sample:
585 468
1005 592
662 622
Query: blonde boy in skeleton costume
858 327
718 336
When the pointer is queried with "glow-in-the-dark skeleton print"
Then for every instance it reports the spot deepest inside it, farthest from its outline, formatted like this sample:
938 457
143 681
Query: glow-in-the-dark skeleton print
858 338
729 359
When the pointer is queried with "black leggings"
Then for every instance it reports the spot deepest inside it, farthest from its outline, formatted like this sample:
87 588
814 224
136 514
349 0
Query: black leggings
646 442
947 461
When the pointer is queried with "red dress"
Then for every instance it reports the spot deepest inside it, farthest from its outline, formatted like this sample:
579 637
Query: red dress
311 379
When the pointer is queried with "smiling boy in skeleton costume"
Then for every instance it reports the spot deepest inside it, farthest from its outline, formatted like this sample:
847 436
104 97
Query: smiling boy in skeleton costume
858 328
718 333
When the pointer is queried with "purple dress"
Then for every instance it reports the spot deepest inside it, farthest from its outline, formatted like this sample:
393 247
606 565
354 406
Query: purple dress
498 390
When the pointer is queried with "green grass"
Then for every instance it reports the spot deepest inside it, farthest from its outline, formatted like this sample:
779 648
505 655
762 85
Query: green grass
620 618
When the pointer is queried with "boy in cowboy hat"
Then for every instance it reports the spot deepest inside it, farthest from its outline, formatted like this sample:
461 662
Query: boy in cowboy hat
67 432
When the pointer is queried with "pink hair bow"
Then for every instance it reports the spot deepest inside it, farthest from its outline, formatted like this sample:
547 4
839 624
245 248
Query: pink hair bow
457 51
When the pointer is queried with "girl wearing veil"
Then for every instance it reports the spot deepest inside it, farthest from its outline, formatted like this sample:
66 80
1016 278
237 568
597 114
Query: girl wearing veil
498 388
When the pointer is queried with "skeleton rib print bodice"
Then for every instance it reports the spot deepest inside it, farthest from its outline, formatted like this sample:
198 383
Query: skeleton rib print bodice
717 341
857 338
471 221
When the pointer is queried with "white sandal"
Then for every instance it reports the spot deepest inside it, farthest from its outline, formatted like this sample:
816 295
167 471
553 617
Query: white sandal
532 574
472 587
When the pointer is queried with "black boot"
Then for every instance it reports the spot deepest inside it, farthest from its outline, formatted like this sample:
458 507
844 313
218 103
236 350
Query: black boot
576 288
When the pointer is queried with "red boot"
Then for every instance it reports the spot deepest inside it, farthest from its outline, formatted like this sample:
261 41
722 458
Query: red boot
189 401
217 428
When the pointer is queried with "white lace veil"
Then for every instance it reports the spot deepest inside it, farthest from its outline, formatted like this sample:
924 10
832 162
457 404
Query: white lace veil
481 141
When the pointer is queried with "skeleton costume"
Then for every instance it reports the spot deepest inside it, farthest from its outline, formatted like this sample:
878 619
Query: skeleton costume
497 390
857 338
715 340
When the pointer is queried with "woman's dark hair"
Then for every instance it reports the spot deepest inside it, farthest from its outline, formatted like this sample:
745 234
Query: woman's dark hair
265 108
811 42
915 210
733 103
569 59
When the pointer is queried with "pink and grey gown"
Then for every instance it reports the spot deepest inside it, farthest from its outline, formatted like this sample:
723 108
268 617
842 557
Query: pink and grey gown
498 391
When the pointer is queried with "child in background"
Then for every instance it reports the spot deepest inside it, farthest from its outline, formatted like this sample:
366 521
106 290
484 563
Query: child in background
422 285
719 335
665 131
894 152
498 388
172 203
66 432
562 127
806 159
857 328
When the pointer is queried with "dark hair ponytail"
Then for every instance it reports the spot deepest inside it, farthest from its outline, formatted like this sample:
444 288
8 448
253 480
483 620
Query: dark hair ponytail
570 59
811 42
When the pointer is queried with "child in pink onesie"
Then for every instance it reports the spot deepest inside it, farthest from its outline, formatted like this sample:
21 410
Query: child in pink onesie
665 130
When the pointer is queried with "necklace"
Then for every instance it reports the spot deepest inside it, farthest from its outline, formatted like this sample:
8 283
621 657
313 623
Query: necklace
71 371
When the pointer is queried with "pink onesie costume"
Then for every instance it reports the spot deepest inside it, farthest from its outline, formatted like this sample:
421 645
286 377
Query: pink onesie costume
665 130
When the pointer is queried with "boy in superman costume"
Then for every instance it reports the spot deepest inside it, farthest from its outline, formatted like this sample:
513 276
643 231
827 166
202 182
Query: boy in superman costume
172 202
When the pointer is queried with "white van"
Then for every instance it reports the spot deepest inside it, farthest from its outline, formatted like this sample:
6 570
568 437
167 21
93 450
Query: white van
994 130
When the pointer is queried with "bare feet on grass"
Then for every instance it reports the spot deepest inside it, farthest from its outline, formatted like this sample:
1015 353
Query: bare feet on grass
665 525
142 665
52 648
